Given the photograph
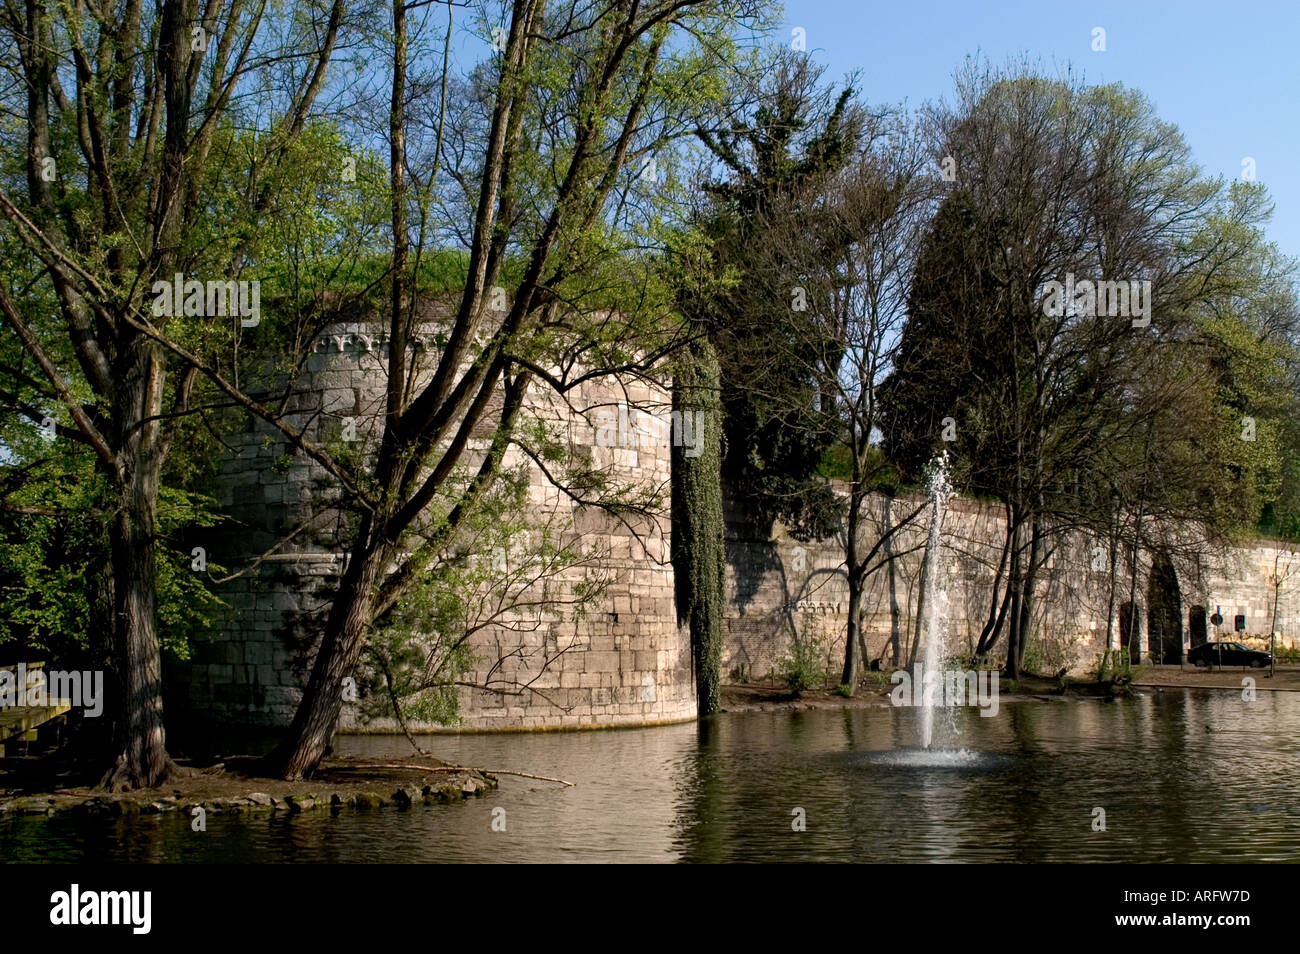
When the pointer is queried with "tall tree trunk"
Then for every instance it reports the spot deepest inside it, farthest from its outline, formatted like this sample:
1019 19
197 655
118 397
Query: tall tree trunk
895 611
143 761
398 330
352 612
1025 631
1133 649
1112 594
137 376
698 545
920 614
854 653
340 649
36 57
997 608
853 645
1015 581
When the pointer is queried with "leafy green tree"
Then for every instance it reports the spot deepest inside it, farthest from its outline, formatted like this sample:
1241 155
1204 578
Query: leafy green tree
777 165
1074 416
854 274
123 105
575 93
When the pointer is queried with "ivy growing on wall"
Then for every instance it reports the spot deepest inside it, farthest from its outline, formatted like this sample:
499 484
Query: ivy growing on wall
698 547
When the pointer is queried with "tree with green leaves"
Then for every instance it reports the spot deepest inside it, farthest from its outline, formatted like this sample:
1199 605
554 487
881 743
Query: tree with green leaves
577 100
853 260
776 164
1088 413
770 162
125 107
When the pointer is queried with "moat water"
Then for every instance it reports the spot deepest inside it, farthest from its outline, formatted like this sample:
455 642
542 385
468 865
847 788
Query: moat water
1182 776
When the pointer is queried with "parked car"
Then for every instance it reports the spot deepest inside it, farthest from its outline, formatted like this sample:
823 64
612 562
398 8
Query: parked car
1228 654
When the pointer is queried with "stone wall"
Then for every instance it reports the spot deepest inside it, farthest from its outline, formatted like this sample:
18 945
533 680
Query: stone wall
625 660
536 664
781 589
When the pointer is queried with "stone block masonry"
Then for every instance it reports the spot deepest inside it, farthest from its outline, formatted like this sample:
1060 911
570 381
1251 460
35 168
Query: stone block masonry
625 661
780 589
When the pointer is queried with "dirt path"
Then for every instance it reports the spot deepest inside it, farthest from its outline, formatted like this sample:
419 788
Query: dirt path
762 697
1285 679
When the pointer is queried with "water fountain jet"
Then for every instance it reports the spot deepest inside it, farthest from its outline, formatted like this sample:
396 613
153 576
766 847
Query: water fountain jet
932 613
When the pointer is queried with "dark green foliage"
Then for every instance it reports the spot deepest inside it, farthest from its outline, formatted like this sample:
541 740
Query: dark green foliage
51 565
777 422
697 527
962 351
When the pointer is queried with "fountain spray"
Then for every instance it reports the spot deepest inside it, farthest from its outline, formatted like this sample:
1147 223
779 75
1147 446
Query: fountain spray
932 614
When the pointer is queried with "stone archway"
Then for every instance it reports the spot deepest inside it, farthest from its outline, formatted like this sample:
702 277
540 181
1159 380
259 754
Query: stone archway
1164 613
1129 641
1196 625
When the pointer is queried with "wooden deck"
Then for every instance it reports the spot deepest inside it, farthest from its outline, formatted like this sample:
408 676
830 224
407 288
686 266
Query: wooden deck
21 722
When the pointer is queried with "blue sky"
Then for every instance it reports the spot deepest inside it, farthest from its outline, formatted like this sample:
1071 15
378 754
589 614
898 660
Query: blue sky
1228 74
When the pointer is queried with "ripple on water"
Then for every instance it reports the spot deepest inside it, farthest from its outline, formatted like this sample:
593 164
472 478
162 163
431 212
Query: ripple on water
721 791
933 758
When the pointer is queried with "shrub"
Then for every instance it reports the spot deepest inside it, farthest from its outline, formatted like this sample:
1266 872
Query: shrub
804 666
880 678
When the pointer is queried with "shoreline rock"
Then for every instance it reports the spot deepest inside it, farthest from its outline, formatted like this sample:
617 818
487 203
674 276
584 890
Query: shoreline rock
233 794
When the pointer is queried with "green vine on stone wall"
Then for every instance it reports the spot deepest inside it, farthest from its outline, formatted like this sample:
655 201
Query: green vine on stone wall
697 530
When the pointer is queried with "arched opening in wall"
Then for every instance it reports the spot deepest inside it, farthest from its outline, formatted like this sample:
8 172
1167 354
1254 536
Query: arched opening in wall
1196 626
1164 613
1128 641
